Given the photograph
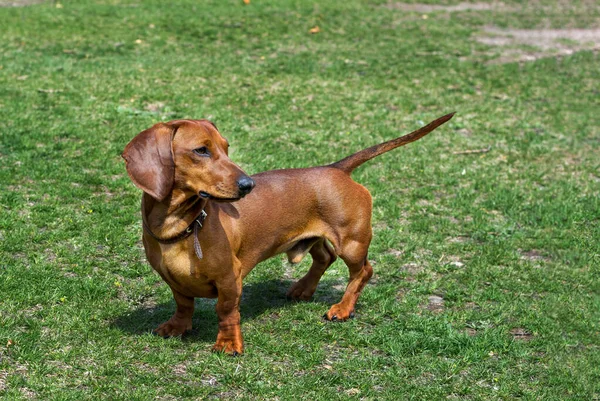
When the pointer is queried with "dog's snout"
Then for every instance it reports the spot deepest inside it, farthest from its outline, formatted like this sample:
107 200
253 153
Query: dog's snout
245 184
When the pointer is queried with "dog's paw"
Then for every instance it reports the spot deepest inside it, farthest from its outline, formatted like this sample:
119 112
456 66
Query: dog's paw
338 314
300 292
230 347
172 328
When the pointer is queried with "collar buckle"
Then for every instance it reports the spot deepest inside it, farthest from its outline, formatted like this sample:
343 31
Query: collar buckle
201 218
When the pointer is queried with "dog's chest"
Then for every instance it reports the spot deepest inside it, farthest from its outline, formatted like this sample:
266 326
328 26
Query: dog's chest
181 269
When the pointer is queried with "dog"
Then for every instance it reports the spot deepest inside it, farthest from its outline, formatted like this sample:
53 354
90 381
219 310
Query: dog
206 223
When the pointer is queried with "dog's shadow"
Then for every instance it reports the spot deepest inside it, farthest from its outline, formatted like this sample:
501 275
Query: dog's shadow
257 299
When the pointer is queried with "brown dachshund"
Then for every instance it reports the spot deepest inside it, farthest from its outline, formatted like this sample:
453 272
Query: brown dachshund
207 223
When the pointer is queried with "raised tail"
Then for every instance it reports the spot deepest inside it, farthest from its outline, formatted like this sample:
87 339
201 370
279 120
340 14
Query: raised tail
353 161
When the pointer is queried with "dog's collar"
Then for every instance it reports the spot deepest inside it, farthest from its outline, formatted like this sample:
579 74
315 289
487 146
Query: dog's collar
192 228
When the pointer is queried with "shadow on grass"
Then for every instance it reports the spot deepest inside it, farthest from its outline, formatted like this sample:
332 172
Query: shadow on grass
257 298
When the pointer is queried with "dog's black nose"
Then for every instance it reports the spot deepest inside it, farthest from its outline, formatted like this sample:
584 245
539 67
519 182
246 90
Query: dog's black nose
245 184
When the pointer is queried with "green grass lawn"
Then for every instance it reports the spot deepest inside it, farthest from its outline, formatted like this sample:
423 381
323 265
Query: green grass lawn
487 265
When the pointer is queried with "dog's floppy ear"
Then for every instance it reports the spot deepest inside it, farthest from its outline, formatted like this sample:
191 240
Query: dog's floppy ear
149 160
213 124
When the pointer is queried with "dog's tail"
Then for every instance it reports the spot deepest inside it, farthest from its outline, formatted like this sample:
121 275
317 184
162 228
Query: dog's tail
353 161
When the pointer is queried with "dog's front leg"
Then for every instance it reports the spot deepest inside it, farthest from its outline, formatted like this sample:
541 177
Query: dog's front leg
229 339
181 321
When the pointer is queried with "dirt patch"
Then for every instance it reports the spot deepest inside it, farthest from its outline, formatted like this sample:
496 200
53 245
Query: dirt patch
532 44
533 255
471 305
395 252
179 369
497 6
28 393
412 269
461 239
380 226
19 3
430 8
519 333
30 312
209 380
3 378
402 293
227 395
470 332
521 45
436 304
50 255
542 38
146 368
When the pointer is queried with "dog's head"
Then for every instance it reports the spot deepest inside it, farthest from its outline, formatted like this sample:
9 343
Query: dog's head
188 155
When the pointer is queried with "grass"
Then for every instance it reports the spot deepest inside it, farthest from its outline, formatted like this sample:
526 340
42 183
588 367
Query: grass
486 265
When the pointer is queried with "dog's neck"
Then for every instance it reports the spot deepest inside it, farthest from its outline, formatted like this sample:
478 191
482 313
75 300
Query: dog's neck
173 215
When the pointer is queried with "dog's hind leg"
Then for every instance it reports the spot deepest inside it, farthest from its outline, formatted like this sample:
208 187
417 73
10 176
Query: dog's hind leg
323 256
354 254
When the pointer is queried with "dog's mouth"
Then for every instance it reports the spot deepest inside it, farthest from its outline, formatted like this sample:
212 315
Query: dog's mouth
206 195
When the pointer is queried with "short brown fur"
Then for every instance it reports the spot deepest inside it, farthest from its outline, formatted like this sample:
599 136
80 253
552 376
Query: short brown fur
318 210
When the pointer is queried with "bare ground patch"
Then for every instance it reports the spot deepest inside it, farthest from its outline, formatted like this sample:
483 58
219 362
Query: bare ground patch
519 333
531 44
533 255
497 6
522 45
395 252
435 304
470 332
412 269
429 8
3 378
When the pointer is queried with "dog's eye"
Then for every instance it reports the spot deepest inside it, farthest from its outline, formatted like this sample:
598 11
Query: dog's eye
203 151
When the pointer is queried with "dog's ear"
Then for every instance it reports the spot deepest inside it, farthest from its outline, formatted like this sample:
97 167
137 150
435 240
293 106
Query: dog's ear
213 124
149 160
